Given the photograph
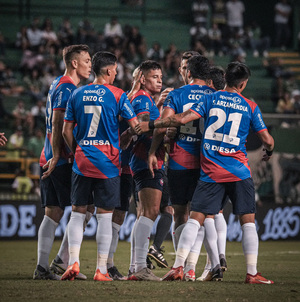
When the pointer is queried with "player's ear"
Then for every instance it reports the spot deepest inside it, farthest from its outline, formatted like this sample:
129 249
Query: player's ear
74 63
142 80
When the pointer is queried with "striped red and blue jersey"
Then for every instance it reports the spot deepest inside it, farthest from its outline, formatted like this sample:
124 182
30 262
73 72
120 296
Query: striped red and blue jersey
143 103
96 110
185 149
228 118
58 96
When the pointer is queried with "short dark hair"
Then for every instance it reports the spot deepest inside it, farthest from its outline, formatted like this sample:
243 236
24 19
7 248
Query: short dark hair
217 75
102 59
199 67
235 73
149 65
187 54
69 52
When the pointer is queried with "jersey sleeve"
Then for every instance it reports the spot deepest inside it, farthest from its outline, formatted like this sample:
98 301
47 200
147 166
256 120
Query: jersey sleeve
257 123
126 110
200 106
62 96
170 101
141 104
69 114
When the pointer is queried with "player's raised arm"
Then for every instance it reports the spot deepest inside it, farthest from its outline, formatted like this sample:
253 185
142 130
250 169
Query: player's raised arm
172 121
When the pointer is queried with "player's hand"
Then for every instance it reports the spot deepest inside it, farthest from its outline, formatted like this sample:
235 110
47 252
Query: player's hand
50 166
163 96
152 163
142 127
138 129
3 139
266 157
171 132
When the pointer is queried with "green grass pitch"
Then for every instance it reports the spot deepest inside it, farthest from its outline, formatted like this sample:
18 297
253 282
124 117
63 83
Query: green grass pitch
278 260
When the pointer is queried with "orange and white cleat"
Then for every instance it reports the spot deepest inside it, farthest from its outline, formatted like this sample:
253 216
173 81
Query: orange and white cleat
190 275
174 274
257 279
102 277
71 272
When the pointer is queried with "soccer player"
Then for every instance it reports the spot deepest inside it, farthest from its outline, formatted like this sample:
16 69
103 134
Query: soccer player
217 77
3 139
126 189
224 166
184 161
149 188
95 109
56 157
181 212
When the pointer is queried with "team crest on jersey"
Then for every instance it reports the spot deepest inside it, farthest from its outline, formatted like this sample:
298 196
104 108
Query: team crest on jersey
236 100
206 146
181 136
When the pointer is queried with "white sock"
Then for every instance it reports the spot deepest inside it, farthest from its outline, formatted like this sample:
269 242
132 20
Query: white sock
186 241
193 256
46 237
208 262
221 228
132 248
103 238
114 243
75 235
142 237
250 247
211 237
176 235
63 252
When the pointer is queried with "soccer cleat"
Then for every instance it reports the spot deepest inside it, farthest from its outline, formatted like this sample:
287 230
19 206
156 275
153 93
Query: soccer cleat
214 275
115 274
102 277
174 274
71 272
42 274
144 274
189 276
157 256
204 275
149 263
56 266
257 279
223 264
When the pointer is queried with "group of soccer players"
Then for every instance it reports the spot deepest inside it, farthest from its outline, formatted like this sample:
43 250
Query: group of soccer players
206 130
